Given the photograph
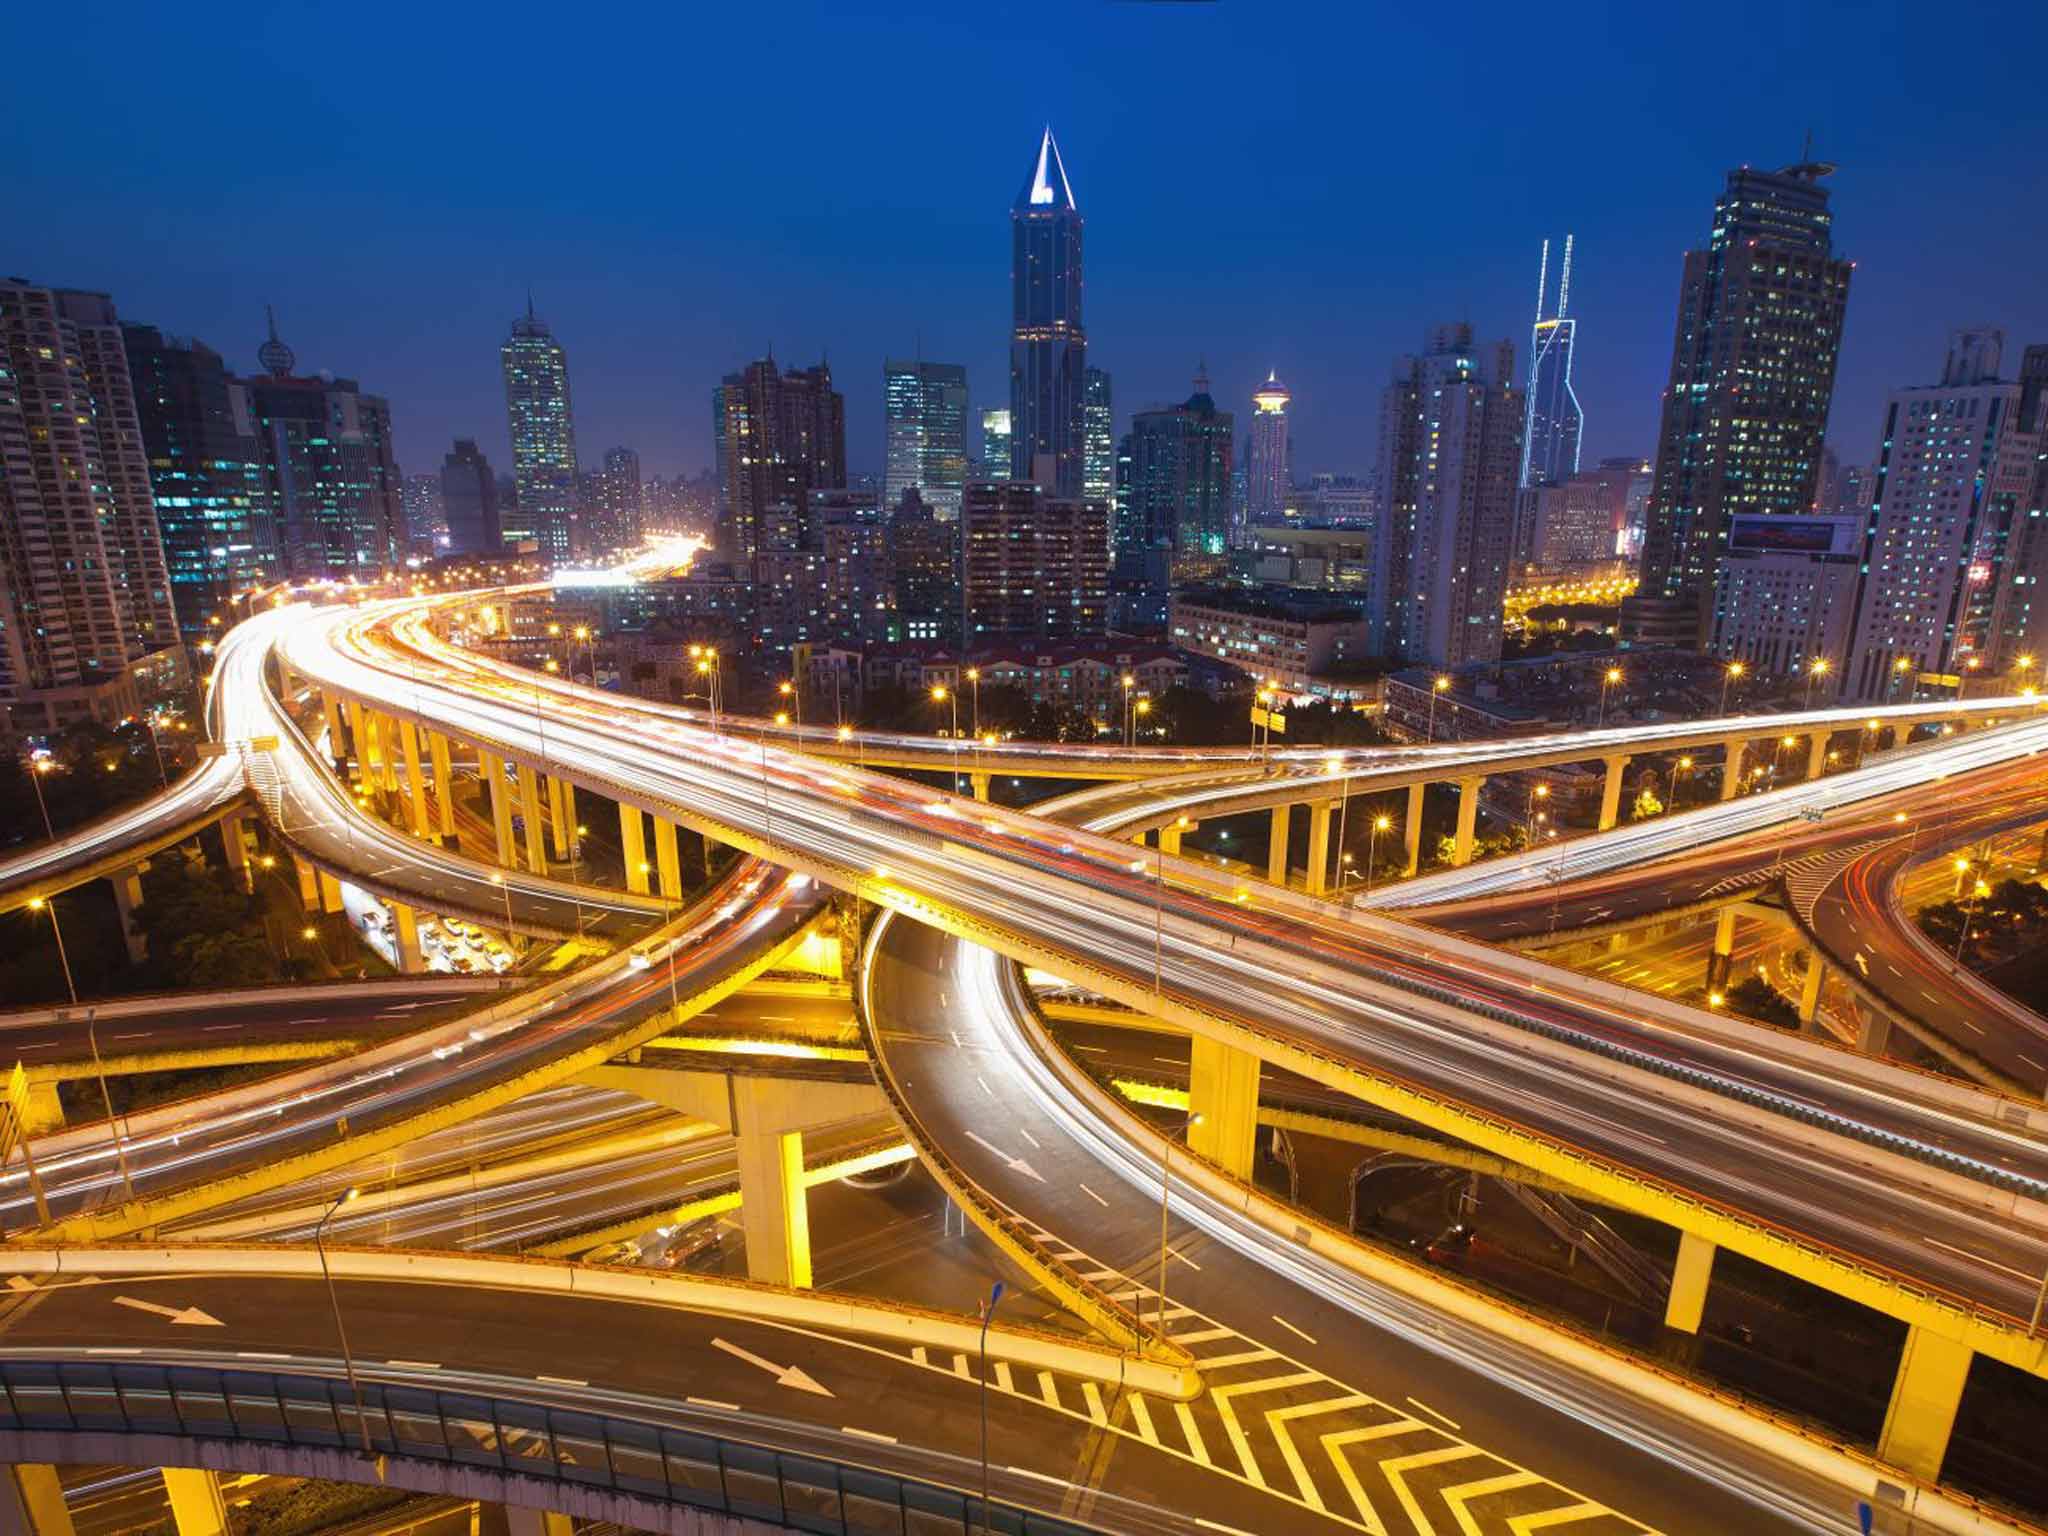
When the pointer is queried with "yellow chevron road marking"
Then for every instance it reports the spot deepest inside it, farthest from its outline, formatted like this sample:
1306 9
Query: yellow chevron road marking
1141 1416
1221 1397
1334 1445
1193 1431
1277 1419
1396 1471
1457 1498
1522 1525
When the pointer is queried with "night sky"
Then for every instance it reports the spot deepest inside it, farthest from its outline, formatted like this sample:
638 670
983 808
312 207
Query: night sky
1302 187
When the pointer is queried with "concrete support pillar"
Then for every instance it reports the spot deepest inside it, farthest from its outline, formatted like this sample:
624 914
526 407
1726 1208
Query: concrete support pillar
32 1502
979 781
1688 1299
1610 790
405 930
1873 1031
359 741
415 780
1276 844
195 1501
1724 948
560 818
668 864
520 1521
1809 988
1731 768
568 792
44 1112
529 811
127 885
1223 1088
493 769
1411 827
309 884
1925 1395
337 739
774 1210
444 783
330 893
1817 754
1319 816
235 849
1468 821
1169 839
633 845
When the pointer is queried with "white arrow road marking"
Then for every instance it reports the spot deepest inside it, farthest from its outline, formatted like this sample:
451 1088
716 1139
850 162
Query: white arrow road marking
1016 1164
187 1315
785 1375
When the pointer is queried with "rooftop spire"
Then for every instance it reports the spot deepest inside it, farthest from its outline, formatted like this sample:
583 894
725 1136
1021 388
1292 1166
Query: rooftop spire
1047 187
274 354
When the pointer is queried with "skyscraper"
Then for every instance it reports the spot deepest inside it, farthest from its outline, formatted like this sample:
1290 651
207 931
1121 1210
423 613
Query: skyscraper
1752 373
1268 469
995 444
779 436
1550 436
1450 452
329 469
543 430
617 511
1180 483
1098 438
1048 347
206 472
425 514
86 592
1941 546
469 498
924 406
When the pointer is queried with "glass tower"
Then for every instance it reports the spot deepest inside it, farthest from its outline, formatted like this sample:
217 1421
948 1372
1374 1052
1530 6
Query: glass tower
543 432
1550 435
1098 438
1048 348
925 406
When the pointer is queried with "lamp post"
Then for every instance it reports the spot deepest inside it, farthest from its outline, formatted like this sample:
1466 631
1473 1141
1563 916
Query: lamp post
42 766
1607 680
941 694
39 904
1730 674
1440 686
789 690
1977 895
1180 824
1684 766
334 1300
988 1314
1129 729
1536 792
974 682
1372 848
1139 711
92 1039
506 891
1165 1202
1817 670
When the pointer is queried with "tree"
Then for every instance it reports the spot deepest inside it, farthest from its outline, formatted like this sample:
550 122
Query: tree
1646 805
1754 998
203 929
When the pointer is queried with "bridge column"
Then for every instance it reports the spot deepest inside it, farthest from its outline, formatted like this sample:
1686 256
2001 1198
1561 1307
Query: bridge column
633 846
44 1112
979 782
235 850
1873 1031
1276 844
1925 1395
1610 791
127 885
493 768
560 818
1411 829
1319 814
444 782
195 1501
32 1502
405 931
330 892
529 810
309 884
1809 988
1731 767
415 780
1724 949
359 741
521 1521
668 863
774 1203
1468 821
1817 753
1689 1275
1223 1089
1169 838
337 740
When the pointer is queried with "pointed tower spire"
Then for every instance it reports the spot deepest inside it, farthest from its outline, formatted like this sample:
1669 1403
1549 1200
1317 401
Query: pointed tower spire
1047 189
274 355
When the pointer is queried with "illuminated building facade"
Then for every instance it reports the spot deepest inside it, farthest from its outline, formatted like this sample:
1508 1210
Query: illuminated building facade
924 410
1268 469
1550 435
995 445
1048 346
469 500
1180 478
780 435
1098 438
1031 564
543 428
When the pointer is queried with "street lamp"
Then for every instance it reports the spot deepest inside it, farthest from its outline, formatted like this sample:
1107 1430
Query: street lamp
1814 673
1536 792
941 694
334 1301
1607 680
1129 729
974 682
1981 890
1180 824
42 766
1730 674
1165 1196
789 690
506 891
1372 848
38 904
988 1314
1441 685
1684 767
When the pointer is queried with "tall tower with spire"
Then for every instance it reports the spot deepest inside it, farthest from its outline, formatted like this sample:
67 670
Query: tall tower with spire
1048 347
543 429
1550 435
1268 471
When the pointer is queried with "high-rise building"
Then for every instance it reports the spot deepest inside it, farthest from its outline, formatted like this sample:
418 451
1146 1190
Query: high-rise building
1450 456
1785 594
779 436
329 469
1944 548
1550 435
1048 345
615 506
1752 374
1032 565
924 408
995 444
205 470
86 591
1268 469
543 429
924 574
425 513
1098 437
1180 483
469 498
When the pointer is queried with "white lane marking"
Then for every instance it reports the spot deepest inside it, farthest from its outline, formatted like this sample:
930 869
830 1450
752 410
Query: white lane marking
211 1027
1292 1329
1043 1477
1030 1138
956 1039
793 1376
1093 1196
1191 1264
866 1434
106 1349
260 1354
562 1381
712 1402
1217 1525
134 1034
984 1086
1099 1050
1977 1258
417 1365
1441 1418
2031 1062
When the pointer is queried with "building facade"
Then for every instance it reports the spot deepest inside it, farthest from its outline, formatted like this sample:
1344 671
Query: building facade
995 445
1752 374
1785 595
1299 639
614 507
780 434
1098 437
1048 343
542 423
1032 565
924 410
1179 497
469 499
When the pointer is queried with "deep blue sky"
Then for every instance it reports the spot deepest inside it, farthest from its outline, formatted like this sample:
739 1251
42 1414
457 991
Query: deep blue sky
1297 186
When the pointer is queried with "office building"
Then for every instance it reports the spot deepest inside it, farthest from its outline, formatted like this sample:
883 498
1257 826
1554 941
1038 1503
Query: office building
1302 640
1943 550
1048 345
542 424
329 469
1179 498
1336 501
924 409
1032 565
1785 594
1450 457
469 499
924 574
205 471
1268 470
86 594
424 512
1554 422
1752 373
1098 438
1295 554
1578 523
779 436
613 504
995 445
